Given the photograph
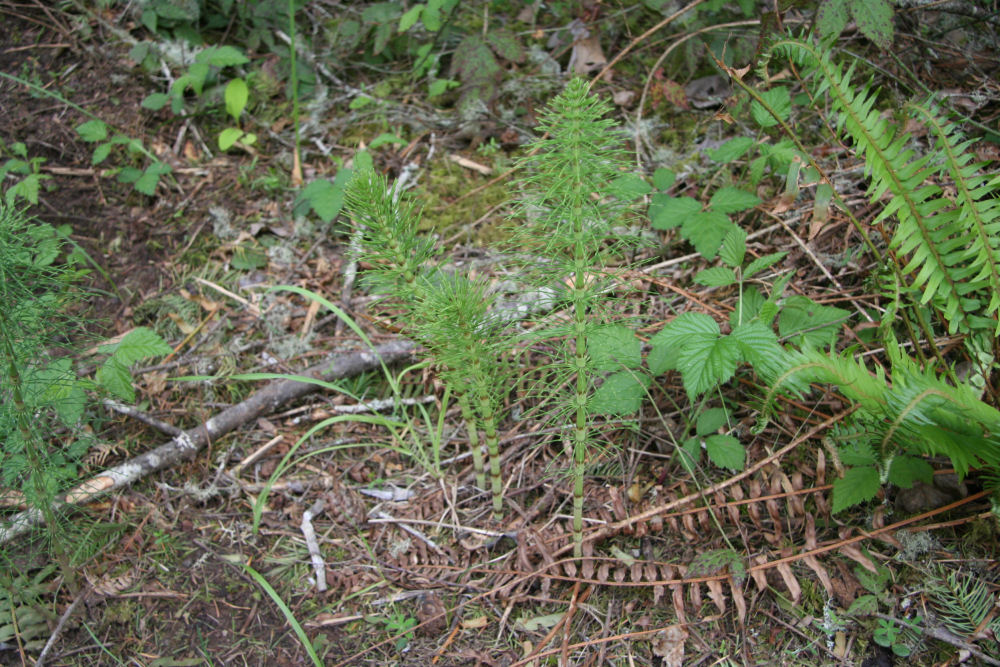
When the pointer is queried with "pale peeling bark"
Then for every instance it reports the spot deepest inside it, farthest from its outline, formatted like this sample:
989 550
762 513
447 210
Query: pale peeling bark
187 443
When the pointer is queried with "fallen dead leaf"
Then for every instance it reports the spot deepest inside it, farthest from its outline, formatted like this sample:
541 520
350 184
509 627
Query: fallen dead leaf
669 645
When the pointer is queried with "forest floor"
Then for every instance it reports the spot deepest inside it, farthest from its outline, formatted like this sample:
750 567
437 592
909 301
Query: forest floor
416 570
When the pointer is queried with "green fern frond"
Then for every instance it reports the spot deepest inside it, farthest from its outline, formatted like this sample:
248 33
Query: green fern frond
951 246
917 411
976 204
961 601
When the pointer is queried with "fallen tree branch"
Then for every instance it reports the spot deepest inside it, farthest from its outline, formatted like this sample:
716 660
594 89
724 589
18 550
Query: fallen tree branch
187 443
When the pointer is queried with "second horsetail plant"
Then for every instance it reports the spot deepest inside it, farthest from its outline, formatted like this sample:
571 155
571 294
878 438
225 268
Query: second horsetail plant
450 314
576 186
576 191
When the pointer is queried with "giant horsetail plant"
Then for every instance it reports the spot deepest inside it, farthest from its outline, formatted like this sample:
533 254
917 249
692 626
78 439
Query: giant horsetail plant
575 186
450 314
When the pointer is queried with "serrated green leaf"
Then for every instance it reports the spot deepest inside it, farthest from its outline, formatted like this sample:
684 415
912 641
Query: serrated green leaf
707 360
810 323
663 179
410 18
710 421
431 18
666 345
748 306
155 101
667 212
734 246
629 186
717 276
27 188
779 100
101 153
857 453
92 131
874 19
733 200
733 149
621 394
138 344
759 347
726 451
69 409
858 485
325 197
762 263
705 231
236 97
115 378
673 335
147 182
129 175
613 347
221 56
905 470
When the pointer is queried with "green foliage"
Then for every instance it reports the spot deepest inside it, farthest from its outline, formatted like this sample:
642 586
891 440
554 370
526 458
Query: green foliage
704 229
951 257
250 23
723 449
449 313
396 623
136 345
96 131
873 18
40 390
29 169
953 245
23 618
899 635
963 602
205 71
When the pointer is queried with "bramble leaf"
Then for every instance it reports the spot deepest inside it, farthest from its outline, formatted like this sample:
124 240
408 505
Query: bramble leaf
733 149
726 451
762 263
858 485
734 247
717 276
621 393
707 360
733 200
613 347
710 421
92 131
667 212
810 323
705 231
